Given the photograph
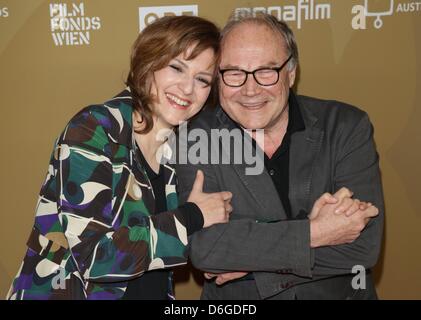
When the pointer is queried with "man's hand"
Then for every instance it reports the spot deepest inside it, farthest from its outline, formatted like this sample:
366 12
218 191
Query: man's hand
329 227
222 278
346 205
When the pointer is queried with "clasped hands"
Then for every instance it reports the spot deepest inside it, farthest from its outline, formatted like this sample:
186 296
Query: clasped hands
334 219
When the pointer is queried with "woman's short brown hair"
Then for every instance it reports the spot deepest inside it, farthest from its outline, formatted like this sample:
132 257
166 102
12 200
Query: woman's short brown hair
154 48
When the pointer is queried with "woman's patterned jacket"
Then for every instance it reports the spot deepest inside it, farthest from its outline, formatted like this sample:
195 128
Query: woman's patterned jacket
93 229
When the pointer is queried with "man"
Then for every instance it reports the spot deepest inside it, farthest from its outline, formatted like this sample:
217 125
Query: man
281 242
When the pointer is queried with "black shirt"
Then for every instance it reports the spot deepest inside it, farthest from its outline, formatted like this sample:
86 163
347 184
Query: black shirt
152 285
278 165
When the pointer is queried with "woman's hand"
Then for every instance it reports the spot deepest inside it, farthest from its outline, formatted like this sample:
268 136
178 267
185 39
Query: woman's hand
215 207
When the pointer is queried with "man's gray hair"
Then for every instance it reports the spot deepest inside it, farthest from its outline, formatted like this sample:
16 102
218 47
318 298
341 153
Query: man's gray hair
279 27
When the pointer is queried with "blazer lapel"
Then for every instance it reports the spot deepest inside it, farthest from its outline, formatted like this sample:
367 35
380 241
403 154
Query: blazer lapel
305 146
260 186
170 187
263 191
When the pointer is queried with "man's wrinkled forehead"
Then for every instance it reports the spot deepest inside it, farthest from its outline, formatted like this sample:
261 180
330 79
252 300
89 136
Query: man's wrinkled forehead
252 40
243 29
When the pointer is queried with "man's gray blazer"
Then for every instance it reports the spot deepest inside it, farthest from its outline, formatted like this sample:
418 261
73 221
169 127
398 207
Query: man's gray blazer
335 150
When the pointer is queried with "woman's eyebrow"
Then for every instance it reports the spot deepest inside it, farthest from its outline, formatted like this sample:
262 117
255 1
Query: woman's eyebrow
186 66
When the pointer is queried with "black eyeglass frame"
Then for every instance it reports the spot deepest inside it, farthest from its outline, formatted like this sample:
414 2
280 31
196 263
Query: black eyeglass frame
277 69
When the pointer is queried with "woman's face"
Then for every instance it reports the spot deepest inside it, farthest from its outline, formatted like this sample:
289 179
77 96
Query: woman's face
181 88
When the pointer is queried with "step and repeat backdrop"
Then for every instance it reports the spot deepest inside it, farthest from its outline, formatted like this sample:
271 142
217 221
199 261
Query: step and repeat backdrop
59 56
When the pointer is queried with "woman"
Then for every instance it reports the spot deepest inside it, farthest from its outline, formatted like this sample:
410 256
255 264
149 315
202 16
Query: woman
107 223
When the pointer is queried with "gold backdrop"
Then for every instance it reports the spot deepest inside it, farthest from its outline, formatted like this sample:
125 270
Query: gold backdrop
364 52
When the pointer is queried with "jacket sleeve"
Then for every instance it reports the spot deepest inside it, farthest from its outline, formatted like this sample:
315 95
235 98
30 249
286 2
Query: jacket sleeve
357 168
226 247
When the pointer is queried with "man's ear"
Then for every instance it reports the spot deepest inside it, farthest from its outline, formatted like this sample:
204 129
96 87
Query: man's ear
291 76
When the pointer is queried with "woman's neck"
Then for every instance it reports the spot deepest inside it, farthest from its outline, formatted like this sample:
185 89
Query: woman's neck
150 143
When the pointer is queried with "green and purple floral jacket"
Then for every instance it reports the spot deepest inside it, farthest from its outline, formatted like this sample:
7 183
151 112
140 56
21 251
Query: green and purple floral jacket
93 229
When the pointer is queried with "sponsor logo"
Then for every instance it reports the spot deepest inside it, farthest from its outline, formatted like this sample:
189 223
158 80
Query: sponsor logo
303 10
148 15
364 11
4 12
70 26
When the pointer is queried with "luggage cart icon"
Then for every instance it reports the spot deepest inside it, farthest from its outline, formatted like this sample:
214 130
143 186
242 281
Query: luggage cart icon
378 23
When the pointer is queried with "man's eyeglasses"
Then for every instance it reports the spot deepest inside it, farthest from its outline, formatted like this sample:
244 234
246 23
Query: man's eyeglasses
263 76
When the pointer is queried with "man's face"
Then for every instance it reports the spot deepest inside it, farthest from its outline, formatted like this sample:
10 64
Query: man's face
250 47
